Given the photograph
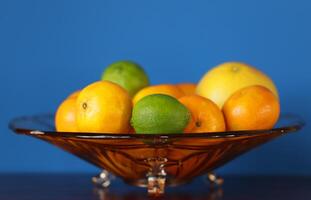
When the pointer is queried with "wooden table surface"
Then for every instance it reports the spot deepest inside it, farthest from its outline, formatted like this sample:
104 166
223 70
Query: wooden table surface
79 186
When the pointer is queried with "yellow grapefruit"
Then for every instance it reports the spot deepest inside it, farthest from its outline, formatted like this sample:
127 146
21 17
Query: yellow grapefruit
222 81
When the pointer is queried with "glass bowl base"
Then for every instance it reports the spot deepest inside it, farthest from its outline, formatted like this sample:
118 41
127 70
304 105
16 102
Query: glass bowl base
155 184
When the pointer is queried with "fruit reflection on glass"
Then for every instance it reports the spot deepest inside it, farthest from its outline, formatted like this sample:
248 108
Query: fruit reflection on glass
167 134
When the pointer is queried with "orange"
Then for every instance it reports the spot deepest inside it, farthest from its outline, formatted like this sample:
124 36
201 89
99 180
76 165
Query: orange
205 115
251 108
187 88
65 117
167 89
74 94
104 107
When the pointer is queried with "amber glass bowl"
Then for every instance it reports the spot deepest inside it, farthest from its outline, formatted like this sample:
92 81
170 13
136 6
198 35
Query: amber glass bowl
154 160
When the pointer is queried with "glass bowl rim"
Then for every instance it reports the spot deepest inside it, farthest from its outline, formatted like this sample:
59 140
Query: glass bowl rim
295 126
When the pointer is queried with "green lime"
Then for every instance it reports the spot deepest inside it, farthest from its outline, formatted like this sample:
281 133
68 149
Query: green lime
127 74
159 114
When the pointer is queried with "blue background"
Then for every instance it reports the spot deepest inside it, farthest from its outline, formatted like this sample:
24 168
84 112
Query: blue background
50 48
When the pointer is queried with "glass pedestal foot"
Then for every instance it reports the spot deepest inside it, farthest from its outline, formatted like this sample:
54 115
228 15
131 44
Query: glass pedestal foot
102 180
156 177
156 185
214 179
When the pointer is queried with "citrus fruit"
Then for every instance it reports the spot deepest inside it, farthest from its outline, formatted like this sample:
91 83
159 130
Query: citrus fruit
65 117
167 89
187 88
251 108
127 74
103 106
159 114
222 81
205 115
74 94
